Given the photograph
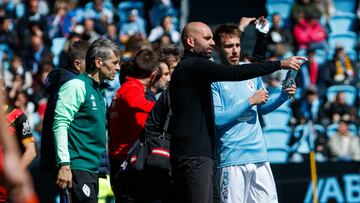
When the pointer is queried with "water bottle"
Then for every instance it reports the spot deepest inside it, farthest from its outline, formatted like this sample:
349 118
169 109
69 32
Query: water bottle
289 79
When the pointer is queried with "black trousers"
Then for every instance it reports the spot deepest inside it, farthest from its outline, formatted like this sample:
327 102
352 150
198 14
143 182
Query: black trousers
193 177
85 187
148 186
123 184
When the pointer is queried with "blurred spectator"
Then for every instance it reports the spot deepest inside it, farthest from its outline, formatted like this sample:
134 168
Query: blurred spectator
280 38
338 109
38 86
16 87
8 9
134 44
17 69
309 33
100 14
112 33
273 80
307 107
303 7
32 23
166 27
344 146
159 10
164 40
59 23
309 73
7 33
134 24
35 53
75 12
341 70
22 102
97 11
89 33
326 7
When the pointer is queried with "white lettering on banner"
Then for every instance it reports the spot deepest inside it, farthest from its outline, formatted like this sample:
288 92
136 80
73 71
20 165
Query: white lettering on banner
352 187
330 189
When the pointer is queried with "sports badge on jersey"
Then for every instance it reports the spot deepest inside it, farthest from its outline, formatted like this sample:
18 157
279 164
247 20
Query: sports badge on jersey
250 84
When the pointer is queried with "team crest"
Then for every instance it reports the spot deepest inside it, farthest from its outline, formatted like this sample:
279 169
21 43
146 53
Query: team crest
86 190
251 85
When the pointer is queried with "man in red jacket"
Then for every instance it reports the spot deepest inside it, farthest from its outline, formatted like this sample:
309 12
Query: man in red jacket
128 113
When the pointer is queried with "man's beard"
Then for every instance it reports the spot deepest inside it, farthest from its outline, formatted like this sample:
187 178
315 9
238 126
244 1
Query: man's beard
161 88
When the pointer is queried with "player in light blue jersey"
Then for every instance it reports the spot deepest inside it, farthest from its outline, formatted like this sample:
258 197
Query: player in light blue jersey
244 171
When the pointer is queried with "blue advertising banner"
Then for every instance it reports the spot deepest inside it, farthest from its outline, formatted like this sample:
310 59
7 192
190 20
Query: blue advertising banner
337 182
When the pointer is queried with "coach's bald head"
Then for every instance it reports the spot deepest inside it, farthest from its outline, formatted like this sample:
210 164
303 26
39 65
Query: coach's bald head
198 38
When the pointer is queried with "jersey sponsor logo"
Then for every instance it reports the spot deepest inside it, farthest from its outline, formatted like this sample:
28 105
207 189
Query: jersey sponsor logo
86 190
250 84
26 128
247 116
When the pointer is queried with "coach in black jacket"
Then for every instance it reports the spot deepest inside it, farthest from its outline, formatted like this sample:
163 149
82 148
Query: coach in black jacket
193 129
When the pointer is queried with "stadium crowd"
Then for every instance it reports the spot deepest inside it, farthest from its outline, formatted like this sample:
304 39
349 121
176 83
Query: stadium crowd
36 37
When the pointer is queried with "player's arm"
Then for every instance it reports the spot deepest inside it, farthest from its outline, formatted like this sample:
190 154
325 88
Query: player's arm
275 102
224 116
23 131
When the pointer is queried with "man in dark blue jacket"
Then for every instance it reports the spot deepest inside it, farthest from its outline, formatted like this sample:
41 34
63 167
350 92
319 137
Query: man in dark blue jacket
55 79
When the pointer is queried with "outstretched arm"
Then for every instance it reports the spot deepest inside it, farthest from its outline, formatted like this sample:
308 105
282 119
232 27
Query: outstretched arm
218 72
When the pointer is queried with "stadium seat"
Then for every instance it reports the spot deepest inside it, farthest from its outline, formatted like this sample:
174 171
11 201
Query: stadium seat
4 48
348 6
279 6
347 40
320 56
332 129
301 52
278 156
350 93
352 54
302 145
279 117
56 48
276 137
342 23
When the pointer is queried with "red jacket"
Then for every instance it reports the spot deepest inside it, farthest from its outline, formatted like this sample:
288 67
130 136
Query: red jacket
307 32
128 113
